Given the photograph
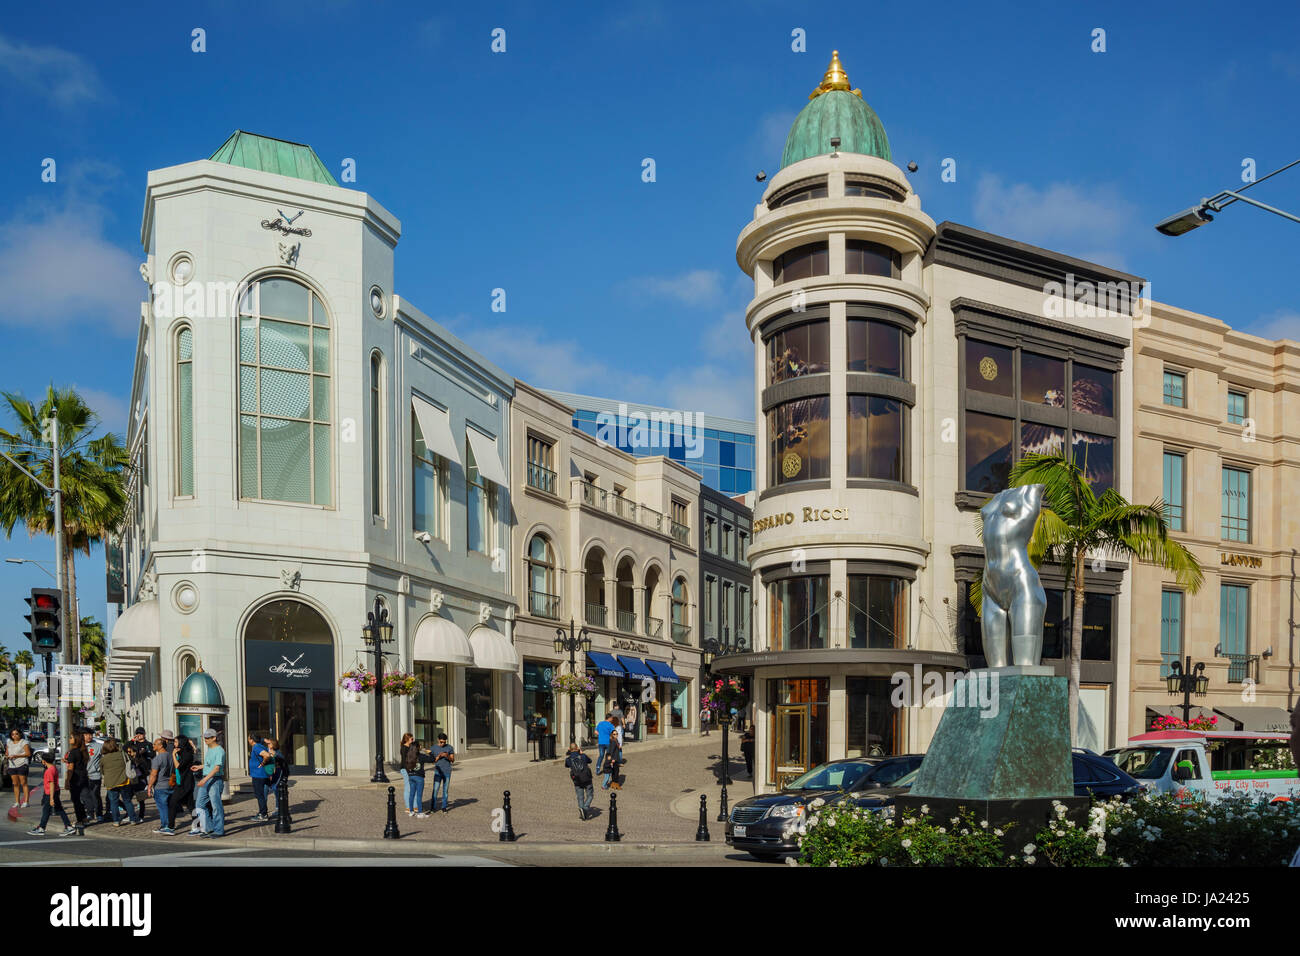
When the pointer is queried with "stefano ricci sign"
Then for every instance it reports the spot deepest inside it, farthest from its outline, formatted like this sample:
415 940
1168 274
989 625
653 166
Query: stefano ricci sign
281 664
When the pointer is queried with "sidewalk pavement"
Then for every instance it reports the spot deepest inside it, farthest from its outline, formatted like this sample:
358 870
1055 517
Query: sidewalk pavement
658 807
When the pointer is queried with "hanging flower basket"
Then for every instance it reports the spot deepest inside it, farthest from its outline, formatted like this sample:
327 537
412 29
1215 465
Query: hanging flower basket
400 684
1196 723
357 682
725 694
573 684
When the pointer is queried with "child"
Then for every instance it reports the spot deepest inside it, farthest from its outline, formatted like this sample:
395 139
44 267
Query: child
50 798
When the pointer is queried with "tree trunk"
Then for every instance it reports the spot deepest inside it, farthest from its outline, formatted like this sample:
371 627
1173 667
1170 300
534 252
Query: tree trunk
70 607
1076 647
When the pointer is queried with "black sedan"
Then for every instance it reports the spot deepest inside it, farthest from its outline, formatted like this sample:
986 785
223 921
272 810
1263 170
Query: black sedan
765 825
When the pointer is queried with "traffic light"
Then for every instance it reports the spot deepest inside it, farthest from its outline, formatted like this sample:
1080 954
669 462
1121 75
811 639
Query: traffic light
46 633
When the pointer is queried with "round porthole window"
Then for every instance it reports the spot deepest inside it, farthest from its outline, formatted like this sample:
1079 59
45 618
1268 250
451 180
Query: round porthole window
185 597
182 269
377 301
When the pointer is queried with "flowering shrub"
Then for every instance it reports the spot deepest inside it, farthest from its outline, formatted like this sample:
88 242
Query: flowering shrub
573 684
400 683
359 681
725 694
851 836
1196 723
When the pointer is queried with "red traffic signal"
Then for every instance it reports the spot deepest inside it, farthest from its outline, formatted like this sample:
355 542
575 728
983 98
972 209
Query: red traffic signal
46 632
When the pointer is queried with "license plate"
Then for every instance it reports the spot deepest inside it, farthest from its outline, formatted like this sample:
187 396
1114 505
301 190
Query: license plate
738 831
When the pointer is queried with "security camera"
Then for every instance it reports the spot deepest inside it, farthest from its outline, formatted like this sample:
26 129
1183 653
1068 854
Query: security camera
762 175
424 537
835 142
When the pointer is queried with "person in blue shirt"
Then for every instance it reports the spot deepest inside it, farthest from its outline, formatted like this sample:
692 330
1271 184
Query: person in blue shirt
603 730
257 771
210 785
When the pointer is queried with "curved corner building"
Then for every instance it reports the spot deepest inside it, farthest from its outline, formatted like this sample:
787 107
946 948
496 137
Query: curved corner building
865 318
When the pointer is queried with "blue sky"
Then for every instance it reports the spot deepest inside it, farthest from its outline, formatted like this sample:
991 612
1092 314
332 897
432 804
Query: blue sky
522 170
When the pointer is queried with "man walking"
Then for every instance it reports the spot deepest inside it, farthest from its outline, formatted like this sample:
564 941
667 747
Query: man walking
603 730
579 765
210 785
93 794
159 785
257 771
140 752
50 798
443 757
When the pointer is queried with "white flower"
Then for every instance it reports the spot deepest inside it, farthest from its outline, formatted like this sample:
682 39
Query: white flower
1029 849
791 861
942 830
907 844
984 824
1030 860
997 832
835 862
819 802
965 832
925 808
1059 807
955 820
1101 847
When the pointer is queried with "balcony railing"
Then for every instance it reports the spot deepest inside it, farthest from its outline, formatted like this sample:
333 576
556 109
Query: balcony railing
593 496
654 627
681 633
541 604
681 533
622 507
541 478
652 519
596 614
627 621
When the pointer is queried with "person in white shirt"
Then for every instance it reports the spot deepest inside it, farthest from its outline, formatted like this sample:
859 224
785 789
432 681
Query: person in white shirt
18 754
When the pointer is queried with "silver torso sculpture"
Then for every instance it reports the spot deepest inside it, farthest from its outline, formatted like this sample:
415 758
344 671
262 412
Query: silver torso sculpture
1014 602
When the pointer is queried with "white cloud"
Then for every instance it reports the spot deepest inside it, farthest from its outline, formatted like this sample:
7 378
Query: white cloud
66 78
1088 222
1282 324
697 288
110 407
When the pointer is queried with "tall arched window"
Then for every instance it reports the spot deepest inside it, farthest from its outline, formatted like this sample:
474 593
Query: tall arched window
185 411
284 394
376 434
188 665
543 596
681 624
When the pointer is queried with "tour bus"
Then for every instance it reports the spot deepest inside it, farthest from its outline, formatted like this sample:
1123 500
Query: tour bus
1199 766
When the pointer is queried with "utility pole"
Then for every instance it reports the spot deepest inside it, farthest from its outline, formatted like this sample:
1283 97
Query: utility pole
1290 622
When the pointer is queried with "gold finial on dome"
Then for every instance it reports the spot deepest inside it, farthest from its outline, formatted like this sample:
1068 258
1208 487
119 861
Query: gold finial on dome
835 79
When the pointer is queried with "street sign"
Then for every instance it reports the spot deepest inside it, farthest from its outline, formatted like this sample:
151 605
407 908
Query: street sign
76 683
47 715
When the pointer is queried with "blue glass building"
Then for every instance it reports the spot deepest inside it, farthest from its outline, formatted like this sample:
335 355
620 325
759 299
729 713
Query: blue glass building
720 449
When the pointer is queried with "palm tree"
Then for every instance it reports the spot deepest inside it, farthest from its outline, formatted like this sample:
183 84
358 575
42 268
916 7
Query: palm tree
94 649
92 478
1075 522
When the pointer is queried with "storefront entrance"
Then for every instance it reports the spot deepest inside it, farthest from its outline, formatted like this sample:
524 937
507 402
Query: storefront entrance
480 709
303 722
791 743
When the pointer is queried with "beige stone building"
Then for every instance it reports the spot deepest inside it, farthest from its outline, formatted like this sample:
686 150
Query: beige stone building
605 540
1217 437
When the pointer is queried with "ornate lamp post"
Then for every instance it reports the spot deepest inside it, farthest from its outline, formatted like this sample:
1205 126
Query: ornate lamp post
571 643
376 632
1187 680
714 649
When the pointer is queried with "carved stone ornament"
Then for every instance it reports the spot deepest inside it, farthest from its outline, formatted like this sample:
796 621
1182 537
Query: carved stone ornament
145 273
484 613
291 578
149 586
289 253
435 601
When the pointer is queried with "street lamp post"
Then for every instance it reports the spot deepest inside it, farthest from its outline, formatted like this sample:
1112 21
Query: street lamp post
1199 215
572 642
376 632
1187 680
714 649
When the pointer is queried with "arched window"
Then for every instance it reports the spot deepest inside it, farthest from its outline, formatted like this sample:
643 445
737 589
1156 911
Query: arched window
188 664
376 435
543 599
284 394
185 411
681 626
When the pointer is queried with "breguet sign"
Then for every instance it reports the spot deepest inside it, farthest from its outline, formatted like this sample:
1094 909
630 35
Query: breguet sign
802 516
282 664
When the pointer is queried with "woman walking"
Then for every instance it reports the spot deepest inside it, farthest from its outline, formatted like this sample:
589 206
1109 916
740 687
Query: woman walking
19 754
78 779
613 757
277 769
183 781
413 761
117 788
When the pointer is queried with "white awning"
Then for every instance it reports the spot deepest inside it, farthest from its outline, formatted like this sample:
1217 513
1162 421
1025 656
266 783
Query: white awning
435 426
139 628
492 651
438 639
486 457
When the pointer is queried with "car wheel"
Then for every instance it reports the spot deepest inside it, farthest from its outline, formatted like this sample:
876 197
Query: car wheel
764 857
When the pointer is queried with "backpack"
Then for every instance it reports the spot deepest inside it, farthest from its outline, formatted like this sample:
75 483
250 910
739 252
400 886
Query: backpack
581 778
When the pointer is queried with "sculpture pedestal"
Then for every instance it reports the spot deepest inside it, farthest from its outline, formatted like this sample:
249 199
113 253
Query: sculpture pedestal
1004 753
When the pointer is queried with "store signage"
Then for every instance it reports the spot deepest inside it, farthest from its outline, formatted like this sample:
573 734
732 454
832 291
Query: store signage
620 644
281 664
804 515
285 225
1240 560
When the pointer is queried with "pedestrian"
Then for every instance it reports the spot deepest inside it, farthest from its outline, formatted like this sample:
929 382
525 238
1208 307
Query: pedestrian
617 710
705 716
117 788
257 771
612 757
747 750
182 794
579 765
18 755
413 761
443 757
278 768
210 785
603 730
139 750
93 792
1295 736
76 779
50 798
160 783
630 722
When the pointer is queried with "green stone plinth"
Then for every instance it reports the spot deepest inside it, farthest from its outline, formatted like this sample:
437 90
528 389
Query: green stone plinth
1006 742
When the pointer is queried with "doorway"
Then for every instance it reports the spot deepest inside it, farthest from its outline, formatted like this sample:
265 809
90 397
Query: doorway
790 756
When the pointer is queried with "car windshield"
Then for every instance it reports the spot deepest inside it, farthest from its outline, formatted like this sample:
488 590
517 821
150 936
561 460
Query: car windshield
831 776
907 779
1144 763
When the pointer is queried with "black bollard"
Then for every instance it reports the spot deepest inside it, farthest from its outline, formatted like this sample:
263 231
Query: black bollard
702 833
508 834
390 831
611 832
282 821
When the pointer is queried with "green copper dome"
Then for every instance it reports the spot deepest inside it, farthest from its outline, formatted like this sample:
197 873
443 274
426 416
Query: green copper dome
835 110
199 690
273 156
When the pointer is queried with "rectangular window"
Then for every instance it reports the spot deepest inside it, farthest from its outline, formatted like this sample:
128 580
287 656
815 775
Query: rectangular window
1236 407
874 724
1055 636
1235 525
877 611
1234 628
1171 629
742 546
1097 617
428 486
541 468
376 437
1174 488
988 452
803 262
726 540
870 258
710 588
799 612
798 351
742 614
1175 389
480 506
708 533
799 440
185 411
877 436
877 347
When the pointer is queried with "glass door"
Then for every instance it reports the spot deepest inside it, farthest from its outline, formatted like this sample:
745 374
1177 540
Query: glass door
790 743
292 729
480 712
